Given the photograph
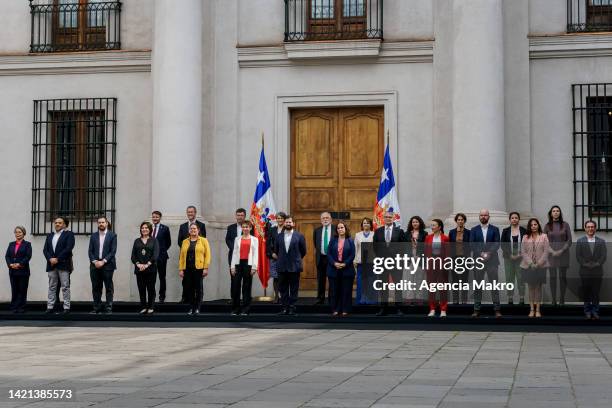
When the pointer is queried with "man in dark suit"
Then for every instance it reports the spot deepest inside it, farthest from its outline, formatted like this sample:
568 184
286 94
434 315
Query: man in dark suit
162 234
102 251
383 237
321 237
58 253
290 249
191 212
485 244
591 253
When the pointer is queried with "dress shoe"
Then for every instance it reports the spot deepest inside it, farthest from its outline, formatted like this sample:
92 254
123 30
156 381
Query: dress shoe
291 311
594 316
143 311
150 311
244 314
344 314
234 313
319 302
190 313
65 311
283 312
588 316
432 313
49 311
498 314
443 314
196 312
381 312
94 312
399 312
108 311
476 314
510 301
335 314
162 300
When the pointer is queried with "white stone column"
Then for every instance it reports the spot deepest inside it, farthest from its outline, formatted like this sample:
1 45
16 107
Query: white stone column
177 107
478 109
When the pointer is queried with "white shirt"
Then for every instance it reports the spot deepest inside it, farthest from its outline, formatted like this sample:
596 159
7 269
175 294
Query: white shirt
102 238
388 233
288 235
591 239
328 227
238 230
56 238
485 228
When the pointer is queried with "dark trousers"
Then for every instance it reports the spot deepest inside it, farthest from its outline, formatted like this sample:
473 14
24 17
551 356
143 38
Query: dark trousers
288 286
459 295
194 285
341 292
561 272
388 276
321 277
490 272
591 285
242 282
146 288
19 291
161 271
101 277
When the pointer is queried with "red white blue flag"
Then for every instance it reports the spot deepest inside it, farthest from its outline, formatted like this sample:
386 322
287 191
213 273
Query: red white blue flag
386 200
263 213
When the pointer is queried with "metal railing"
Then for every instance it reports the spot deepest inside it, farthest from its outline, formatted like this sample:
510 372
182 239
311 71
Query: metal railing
75 25
592 143
74 162
589 15
307 20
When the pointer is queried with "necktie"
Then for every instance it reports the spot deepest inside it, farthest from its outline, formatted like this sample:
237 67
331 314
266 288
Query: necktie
155 231
325 240
388 235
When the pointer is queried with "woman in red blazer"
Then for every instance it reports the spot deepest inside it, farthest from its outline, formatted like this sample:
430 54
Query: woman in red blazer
436 246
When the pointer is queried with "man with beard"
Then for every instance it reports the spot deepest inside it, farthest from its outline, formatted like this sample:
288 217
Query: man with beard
290 248
102 250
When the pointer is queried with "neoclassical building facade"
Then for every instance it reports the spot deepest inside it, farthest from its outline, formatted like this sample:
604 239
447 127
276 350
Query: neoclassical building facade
122 107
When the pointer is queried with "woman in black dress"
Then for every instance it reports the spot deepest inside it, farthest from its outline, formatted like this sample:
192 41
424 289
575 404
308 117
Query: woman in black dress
144 257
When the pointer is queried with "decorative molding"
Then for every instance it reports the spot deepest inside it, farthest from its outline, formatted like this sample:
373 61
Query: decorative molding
282 127
570 46
76 63
336 53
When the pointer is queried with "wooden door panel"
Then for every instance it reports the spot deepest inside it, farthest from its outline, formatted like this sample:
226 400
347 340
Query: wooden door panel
336 157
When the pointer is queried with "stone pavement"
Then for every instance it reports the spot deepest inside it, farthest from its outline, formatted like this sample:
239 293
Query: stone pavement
193 367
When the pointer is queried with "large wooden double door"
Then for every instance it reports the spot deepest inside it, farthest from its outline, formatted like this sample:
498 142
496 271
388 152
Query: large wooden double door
336 159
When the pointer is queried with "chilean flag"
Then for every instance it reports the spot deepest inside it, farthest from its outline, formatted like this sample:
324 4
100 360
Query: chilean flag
263 211
386 200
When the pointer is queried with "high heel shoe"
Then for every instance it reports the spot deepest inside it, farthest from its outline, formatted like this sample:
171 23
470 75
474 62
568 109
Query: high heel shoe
531 313
538 314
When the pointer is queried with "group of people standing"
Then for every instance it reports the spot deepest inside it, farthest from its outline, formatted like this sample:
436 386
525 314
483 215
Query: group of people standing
529 253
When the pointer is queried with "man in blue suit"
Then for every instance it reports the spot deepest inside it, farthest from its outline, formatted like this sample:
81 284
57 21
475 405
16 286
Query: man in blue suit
290 248
162 234
485 243
102 250
58 253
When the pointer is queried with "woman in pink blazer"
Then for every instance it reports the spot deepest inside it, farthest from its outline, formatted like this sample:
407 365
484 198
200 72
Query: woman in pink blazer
534 252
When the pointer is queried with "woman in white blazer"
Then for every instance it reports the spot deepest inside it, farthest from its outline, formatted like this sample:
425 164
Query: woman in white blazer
243 267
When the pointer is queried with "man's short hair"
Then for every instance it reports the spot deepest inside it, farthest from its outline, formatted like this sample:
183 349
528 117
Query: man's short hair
192 206
156 212
65 219
241 211
590 222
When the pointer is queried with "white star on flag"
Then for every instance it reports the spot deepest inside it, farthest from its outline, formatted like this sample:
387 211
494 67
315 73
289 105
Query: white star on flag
260 178
383 176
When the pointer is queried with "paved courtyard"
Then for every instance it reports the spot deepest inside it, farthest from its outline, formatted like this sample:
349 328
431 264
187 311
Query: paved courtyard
188 367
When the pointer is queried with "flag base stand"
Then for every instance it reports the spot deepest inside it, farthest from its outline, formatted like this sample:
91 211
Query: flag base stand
264 298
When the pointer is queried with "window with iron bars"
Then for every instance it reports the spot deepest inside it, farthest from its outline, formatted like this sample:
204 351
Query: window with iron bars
75 25
592 119
589 15
307 20
74 162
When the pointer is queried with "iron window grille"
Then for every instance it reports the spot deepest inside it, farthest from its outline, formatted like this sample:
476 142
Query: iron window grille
75 25
592 120
589 15
74 162
307 20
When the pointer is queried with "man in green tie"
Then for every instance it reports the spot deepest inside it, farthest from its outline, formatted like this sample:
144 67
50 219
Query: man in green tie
321 237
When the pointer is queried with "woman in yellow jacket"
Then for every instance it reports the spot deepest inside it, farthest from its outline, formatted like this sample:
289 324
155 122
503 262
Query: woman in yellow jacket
193 267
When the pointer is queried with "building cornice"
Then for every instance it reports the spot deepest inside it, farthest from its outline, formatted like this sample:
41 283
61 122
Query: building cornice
336 53
570 46
75 63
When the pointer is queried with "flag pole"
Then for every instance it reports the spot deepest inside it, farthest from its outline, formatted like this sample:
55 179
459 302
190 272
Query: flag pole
265 297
